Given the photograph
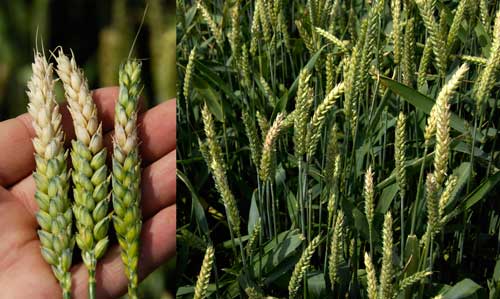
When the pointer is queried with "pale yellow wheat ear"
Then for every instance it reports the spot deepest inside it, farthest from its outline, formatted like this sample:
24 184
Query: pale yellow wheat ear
127 171
51 175
442 119
371 280
90 173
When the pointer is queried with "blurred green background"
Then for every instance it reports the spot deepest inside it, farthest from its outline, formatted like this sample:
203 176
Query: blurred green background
100 34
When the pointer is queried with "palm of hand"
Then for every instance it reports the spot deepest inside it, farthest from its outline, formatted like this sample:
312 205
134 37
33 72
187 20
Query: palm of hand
23 272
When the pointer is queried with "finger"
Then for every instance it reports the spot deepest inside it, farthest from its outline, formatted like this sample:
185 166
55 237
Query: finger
157 185
15 136
157 245
158 188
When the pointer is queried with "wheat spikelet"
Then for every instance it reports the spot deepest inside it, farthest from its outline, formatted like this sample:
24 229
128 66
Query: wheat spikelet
408 63
446 195
424 63
189 74
264 20
396 28
244 67
371 280
302 114
334 40
269 147
255 28
387 272
368 43
350 88
301 267
253 138
200 290
368 195
443 115
319 116
438 44
445 94
214 28
483 14
335 248
51 174
284 29
263 124
90 173
253 237
234 35
455 25
268 93
486 78
306 37
473 59
410 280
399 154
329 71
218 168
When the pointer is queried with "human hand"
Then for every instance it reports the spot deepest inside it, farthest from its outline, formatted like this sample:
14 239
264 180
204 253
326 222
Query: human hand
23 271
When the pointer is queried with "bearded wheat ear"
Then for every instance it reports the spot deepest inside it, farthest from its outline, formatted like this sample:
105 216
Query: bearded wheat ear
90 173
127 171
51 175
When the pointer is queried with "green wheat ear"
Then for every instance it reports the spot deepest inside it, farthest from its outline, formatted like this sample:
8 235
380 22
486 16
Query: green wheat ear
127 171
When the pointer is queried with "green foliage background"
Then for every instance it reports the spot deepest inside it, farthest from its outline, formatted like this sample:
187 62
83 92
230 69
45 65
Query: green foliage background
466 261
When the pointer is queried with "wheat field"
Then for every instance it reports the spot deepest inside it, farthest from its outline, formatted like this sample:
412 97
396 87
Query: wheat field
338 149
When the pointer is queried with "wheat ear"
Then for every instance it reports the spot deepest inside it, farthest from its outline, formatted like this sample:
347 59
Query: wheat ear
127 171
318 119
200 290
371 280
269 147
90 173
443 115
218 167
387 272
301 267
189 74
51 175
335 248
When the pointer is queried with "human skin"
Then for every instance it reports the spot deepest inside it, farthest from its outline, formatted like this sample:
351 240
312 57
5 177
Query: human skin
23 272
